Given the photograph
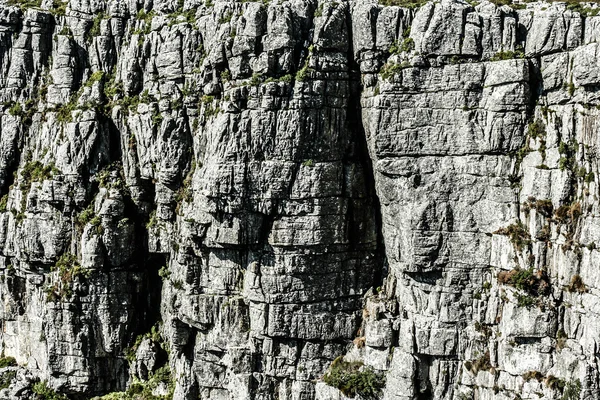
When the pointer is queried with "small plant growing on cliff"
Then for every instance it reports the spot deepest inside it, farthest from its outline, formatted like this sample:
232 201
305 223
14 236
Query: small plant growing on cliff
389 70
15 110
164 272
95 28
185 192
536 129
568 214
304 72
3 203
24 4
555 383
576 285
542 206
508 55
86 216
480 364
7 362
59 8
152 220
405 46
6 379
153 335
352 378
68 269
530 375
403 3
568 151
533 283
518 235
572 390
35 171
45 392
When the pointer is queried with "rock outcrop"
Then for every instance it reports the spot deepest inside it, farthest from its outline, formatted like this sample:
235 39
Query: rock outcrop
216 200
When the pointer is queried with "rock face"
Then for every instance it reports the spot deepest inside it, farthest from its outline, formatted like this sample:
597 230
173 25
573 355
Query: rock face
239 193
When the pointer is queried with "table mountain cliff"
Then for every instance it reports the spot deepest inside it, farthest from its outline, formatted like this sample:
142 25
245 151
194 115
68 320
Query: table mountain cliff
299 199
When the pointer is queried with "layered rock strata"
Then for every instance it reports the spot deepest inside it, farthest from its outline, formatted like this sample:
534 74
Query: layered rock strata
252 190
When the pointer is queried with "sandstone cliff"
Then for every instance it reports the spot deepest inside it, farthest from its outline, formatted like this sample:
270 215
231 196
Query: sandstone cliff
217 199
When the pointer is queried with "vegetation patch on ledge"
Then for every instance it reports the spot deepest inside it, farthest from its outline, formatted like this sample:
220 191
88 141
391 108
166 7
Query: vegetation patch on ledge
353 378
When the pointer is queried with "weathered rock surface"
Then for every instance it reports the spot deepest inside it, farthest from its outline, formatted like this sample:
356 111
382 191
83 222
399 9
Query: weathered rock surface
242 192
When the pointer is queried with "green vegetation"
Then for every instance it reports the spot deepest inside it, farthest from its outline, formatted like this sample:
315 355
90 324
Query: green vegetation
389 70
285 78
518 235
35 171
189 15
95 77
164 272
508 55
152 220
555 383
577 6
64 112
209 108
111 177
95 28
44 392
142 390
7 362
403 3
525 300
352 378
568 151
3 203
533 283
561 339
185 192
521 278
66 31
571 390
536 129
543 207
25 112
146 19
113 88
407 45
6 379
319 11
304 73
24 4
15 110
226 76
256 80
88 216
153 335
59 8
68 269
589 177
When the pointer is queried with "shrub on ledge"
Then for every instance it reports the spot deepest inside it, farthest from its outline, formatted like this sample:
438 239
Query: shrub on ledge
352 378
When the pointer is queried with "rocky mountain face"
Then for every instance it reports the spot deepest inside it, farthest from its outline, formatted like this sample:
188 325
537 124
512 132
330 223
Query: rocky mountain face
299 200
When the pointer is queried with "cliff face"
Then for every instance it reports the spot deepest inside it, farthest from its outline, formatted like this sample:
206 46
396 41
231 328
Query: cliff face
255 189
